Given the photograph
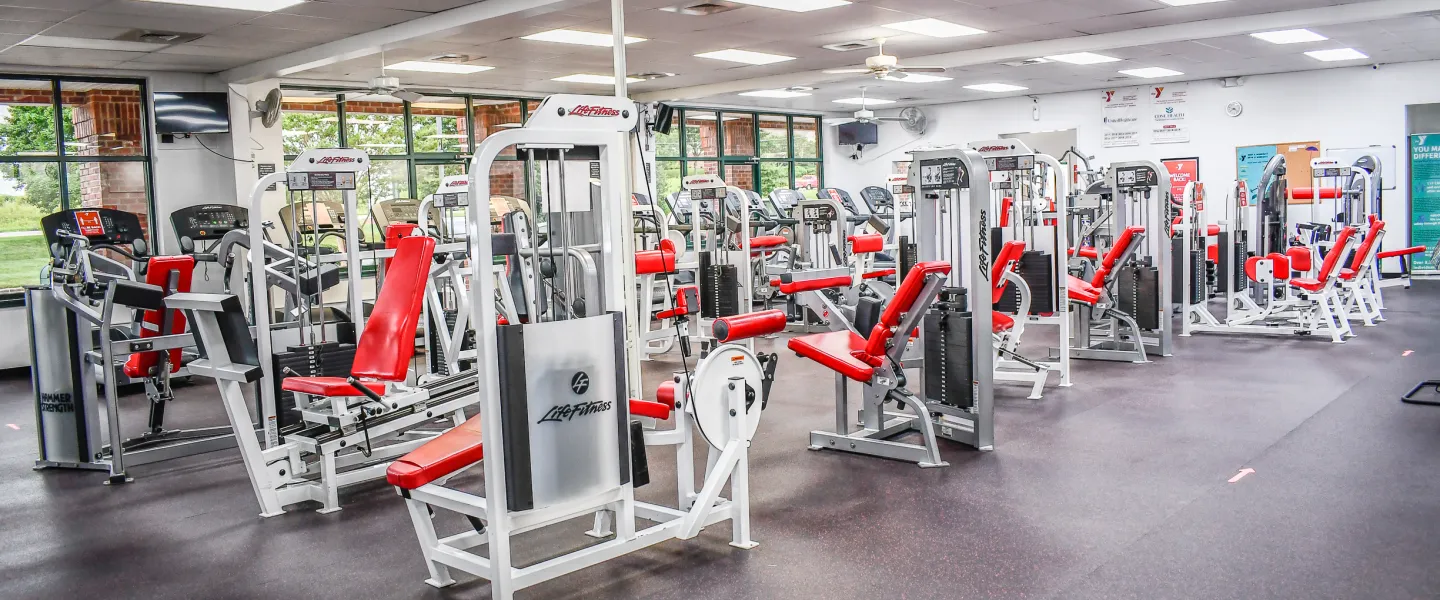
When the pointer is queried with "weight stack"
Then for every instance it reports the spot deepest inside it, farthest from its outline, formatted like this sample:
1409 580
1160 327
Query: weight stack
949 365
1197 271
1233 253
1038 271
908 257
438 360
719 291
1138 289
330 359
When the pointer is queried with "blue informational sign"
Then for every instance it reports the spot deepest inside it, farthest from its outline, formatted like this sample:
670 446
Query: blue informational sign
1425 190
1250 164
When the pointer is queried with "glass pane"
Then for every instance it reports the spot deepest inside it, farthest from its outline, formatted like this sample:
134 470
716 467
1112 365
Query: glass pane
492 115
386 180
668 145
739 134
807 138
440 125
27 119
375 125
773 176
531 106
117 185
774 137
741 176
698 167
701 135
667 177
807 178
104 119
507 178
27 192
309 120
428 177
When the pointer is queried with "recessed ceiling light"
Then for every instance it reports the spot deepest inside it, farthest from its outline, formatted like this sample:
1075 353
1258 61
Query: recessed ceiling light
1151 72
594 79
583 38
52 41
934 28
1188 2
774 94
794 5
995 87
438 67
746 57
253 5
864 101
1289 36
1082 58
1337 54
917 78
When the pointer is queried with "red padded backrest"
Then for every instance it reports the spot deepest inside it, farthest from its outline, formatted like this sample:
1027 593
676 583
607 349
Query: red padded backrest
901 303
158 273
866 243
1300 259
1006 205
1122 246
1376 227
1333 257
1009 254
388 342
395 232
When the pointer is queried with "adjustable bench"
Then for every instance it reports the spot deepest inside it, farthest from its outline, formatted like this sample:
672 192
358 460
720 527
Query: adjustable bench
875 361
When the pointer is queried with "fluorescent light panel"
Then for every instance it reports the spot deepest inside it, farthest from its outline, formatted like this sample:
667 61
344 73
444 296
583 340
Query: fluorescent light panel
1188 2
1151 72
582 38
1337 54
995 87
1082 58
774 94
252 5
593 79
51 41
428 66
864 101
934 28
1289 36
745 56
917 78
794 5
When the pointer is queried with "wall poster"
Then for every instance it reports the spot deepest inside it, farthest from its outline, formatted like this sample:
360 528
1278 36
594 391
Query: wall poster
1424 191
1168 123
1182 171
1122 117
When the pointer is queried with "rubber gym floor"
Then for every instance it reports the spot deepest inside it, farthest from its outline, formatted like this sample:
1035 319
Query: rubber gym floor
1114 488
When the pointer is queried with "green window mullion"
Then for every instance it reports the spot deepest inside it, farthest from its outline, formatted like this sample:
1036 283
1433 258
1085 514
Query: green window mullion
340 120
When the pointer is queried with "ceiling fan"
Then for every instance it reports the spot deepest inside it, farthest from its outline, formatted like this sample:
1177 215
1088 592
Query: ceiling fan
385 86
884 66
864 115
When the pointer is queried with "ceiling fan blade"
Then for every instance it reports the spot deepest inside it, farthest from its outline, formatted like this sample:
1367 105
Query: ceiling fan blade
847 71
895 119
920 69
431 91
836 122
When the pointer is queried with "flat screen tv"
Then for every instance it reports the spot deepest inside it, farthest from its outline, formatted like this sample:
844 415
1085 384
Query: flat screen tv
859 133
192 112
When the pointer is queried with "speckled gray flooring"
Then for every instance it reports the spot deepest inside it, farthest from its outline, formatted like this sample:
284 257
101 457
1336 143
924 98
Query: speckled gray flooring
1114 488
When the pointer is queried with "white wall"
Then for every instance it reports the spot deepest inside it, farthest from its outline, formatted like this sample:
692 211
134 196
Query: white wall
1343 108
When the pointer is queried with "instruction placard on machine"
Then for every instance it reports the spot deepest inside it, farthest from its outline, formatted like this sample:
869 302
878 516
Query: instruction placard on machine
319 181
943 174
1328 172
1011 163
1127 178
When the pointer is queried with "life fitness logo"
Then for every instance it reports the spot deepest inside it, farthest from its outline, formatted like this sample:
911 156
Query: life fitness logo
590 110
579 385
337 160
984 149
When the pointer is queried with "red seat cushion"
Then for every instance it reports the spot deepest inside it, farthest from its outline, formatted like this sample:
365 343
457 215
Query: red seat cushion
1300 258
1009 254
866 243
141 364
1307 284
335 387
1212 252
1001 322
835 350
1401 252
388 341
810 285
768 241
650 262
646 408
878 274
1081 291
449 452
1377 229
1085 252
1347 274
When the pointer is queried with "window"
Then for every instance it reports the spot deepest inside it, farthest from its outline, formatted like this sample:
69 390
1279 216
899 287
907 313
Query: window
309 120
376 125
754 151
440 126
66 143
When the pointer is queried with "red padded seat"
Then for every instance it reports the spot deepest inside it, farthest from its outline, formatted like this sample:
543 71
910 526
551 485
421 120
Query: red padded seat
1300 258
646 408
650 262
1081 291
1004 261
1122 245
878 274
1401 252
836 350
159 268
810 285
767 241
1212 253
1377 227
866 243
336 387
1332 260
739 327
449 452
1000 322
1085 252
1280 265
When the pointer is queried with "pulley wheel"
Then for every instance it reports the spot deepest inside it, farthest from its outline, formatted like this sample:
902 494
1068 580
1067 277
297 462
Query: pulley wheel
710 385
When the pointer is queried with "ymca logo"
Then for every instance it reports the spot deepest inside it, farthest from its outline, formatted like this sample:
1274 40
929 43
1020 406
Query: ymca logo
1421 139
1159 91
1109 95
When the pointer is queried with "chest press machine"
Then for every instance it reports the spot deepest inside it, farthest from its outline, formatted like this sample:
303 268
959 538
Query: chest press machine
553 397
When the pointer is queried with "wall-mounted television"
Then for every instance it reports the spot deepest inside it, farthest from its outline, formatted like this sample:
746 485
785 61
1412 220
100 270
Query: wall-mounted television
859 133
192 112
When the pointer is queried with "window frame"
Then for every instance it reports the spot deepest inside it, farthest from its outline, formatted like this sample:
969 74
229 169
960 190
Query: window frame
790 160
63 160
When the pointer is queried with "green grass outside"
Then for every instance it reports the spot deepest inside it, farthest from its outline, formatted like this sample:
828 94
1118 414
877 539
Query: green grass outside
16 215
21 259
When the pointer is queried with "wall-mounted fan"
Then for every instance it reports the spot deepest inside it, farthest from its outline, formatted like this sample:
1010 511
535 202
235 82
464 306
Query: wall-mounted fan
884 66
268 110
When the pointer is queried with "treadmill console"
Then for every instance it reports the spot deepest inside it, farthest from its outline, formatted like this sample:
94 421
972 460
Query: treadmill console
206 222
877 197
843 197
399 211
1129 179
99 225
